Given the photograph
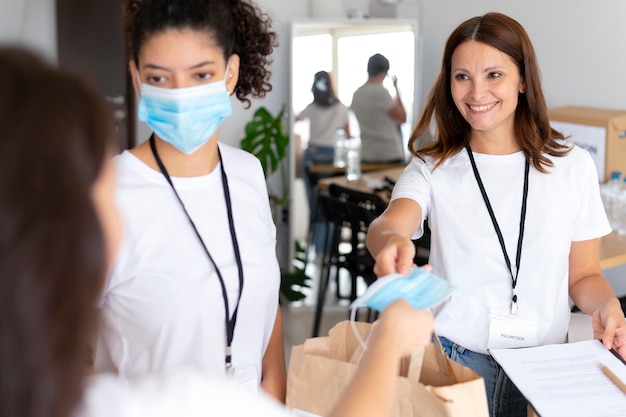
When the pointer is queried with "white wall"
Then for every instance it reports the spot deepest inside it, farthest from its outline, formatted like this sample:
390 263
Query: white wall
282 13
580 44
30 23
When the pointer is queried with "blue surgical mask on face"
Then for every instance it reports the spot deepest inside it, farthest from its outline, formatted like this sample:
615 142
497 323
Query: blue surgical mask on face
185 117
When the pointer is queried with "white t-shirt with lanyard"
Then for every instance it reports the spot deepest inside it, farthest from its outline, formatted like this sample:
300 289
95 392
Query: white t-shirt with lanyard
163 304
563 206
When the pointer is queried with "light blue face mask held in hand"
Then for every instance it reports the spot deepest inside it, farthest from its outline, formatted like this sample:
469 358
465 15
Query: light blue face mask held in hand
185 117
420 288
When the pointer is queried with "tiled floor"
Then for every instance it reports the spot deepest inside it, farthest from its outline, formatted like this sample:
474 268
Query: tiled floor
298 317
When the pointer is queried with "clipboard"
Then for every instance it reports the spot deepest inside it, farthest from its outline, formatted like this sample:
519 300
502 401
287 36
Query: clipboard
566 379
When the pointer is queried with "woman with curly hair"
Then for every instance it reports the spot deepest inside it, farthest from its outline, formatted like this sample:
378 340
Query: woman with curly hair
197 280
61 229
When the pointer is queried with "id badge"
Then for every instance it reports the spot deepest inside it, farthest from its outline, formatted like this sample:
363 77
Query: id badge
246 377
508 330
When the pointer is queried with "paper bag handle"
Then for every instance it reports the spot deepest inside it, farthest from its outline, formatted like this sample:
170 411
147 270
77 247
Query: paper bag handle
414 369
415 361
442 358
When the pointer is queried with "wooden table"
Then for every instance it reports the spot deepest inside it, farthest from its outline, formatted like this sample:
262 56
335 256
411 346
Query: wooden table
363 183
612 250
612 246
365 167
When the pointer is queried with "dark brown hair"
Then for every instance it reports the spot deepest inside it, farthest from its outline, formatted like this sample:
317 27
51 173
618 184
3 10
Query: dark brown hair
532 126
237 27
377 64
323 91
56 134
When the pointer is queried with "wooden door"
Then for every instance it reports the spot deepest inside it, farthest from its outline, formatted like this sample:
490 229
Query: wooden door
90 42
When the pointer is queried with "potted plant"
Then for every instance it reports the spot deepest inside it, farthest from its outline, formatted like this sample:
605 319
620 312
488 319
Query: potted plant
266 138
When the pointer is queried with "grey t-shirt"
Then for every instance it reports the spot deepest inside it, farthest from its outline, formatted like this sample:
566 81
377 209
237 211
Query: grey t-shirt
324 122
380 139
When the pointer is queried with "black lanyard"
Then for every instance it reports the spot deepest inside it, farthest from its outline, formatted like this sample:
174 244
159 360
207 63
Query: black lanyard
230 322
522 220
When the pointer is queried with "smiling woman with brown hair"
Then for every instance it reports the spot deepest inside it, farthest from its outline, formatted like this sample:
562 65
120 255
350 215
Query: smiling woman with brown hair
513 208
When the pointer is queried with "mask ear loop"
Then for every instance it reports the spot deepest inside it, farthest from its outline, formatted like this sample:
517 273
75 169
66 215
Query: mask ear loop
357 334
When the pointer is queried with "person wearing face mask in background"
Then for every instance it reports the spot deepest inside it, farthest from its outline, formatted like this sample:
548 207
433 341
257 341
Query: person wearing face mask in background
196 281
379 115
326 114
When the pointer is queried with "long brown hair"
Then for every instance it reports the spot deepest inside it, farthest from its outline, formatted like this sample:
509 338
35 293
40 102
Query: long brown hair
532 126
56 134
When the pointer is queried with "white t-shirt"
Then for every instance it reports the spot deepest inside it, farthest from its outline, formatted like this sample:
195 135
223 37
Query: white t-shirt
380 139
563 206
181 394
162 306
324 122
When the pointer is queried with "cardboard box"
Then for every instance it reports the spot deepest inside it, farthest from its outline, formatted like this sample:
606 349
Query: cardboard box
601 131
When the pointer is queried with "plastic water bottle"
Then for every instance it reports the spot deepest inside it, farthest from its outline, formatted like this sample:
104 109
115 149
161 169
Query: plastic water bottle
620 210
353 158
340 148
610 193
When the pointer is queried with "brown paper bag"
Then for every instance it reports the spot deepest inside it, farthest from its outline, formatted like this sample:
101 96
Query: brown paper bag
429 384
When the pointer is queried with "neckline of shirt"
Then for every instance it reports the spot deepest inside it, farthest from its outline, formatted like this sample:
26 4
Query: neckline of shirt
156 177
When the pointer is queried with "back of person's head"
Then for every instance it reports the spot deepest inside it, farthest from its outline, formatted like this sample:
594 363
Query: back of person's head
56 133
376 65
236 26
323 92
532 126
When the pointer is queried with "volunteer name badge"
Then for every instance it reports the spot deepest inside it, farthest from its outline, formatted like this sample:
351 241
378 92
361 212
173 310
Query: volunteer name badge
246 377
508 330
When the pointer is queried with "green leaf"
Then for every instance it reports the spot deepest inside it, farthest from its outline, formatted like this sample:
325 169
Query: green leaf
292 283
266 139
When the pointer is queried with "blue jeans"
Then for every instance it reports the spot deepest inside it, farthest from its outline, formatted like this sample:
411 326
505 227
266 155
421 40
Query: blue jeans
503 397
320 155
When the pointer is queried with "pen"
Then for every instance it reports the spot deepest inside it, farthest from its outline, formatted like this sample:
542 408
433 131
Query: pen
613 378
617 355
614 352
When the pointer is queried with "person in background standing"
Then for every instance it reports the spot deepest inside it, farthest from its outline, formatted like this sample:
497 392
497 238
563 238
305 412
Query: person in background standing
326 114
379 115
196 281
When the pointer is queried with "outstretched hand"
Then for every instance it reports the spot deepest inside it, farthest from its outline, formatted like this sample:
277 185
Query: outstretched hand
395 257
609 326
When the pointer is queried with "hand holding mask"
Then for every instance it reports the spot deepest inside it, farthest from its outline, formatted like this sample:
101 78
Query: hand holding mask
420 288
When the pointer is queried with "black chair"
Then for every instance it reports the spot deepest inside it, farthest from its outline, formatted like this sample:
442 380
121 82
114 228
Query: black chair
346 210
363 208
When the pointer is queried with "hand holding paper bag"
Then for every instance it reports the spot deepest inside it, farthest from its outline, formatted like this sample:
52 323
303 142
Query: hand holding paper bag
324 372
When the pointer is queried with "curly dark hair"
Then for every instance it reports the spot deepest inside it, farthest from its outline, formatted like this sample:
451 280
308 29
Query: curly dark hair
237 27
532 126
